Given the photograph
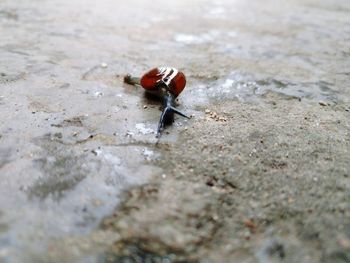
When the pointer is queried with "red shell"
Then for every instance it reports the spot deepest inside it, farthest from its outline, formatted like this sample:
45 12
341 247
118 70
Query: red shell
174 79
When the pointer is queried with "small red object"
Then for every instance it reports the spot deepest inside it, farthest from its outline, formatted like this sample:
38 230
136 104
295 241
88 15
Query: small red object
172 78
250 224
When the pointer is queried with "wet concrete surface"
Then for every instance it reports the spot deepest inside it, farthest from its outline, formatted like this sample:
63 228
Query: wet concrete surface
73 137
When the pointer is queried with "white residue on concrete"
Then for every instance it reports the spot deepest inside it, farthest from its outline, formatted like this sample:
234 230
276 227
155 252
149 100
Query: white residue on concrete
141 127
148 154
197 39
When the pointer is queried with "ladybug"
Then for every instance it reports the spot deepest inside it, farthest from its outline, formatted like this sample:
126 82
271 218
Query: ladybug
167 83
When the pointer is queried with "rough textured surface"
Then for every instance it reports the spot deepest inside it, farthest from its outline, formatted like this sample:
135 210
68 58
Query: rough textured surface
269 184
242 181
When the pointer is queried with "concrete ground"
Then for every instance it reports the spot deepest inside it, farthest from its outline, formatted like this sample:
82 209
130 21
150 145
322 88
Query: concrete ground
260 173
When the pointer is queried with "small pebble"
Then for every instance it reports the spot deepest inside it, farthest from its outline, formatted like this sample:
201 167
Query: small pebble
104 65
322 103
207 111
249 224
129 134
145 106
98 94
96 202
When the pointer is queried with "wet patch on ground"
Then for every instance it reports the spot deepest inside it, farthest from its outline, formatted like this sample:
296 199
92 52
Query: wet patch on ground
80 182
247 87
9 78
62 170
74 121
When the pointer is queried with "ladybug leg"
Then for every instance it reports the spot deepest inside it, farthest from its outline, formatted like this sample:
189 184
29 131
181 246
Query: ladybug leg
132 80
179 112
167 116
169 102
161 123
